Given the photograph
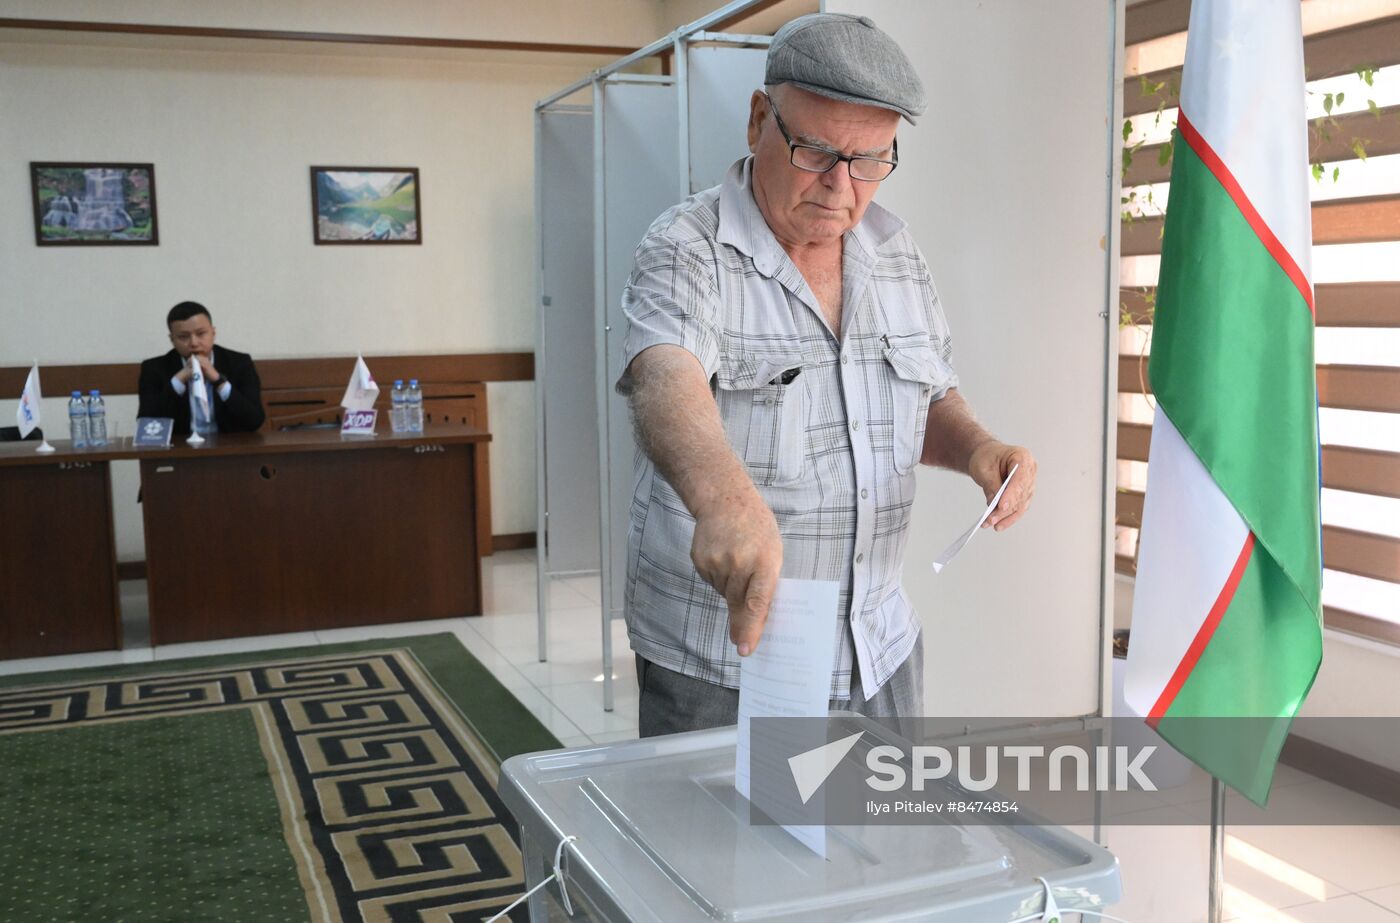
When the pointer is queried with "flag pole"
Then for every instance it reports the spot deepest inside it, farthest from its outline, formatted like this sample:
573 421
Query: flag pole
1215 910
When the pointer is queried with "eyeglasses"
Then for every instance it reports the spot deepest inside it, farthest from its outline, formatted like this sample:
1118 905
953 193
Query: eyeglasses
814 159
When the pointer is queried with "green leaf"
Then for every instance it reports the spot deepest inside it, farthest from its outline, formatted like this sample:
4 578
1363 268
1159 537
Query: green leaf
1317 172
1340 97
1375 110
1336 173
1367 74
1327 103
1127 129
1358 147
1127 159
1164 154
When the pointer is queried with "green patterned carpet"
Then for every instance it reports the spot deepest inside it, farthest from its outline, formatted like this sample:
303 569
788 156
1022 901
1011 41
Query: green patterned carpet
336 783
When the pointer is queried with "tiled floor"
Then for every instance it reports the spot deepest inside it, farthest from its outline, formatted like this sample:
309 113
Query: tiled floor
1273 874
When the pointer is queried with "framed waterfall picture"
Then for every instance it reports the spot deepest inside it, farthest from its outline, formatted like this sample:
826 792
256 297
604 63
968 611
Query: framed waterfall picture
83 204
365 205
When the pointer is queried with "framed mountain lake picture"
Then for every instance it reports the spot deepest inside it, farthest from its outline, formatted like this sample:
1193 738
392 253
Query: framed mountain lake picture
366 205
79 204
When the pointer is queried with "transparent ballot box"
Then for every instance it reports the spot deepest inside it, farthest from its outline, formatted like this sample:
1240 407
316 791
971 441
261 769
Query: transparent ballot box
662 836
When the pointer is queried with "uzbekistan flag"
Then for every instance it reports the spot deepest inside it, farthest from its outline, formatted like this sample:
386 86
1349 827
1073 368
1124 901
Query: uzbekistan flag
1227 607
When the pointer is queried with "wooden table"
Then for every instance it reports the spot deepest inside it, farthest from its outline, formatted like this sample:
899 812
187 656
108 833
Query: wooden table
251 533
58 562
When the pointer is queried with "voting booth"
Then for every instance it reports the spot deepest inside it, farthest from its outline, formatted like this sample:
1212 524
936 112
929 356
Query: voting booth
614 151
1012 197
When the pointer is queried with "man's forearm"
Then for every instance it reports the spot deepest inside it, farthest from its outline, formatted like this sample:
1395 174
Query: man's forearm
737 548
953 433
678 426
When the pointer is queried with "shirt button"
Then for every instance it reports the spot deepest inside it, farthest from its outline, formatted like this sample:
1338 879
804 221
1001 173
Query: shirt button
769 402
864 494
846 359
855 424
859 558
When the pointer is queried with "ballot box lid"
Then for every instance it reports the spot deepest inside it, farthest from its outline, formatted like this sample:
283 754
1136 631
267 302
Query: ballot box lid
662 835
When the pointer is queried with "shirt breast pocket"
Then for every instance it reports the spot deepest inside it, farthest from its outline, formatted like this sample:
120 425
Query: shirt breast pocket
763 403
917 374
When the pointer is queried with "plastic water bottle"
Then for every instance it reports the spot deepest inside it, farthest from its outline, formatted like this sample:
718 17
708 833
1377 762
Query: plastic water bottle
415 406
397 414
97 419
78 420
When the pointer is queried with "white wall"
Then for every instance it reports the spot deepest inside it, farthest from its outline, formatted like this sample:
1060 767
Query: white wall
675 13
1006 185
1357 678
611 22
232 134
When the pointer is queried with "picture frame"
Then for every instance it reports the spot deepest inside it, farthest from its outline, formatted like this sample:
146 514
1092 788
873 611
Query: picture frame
366 205
94 204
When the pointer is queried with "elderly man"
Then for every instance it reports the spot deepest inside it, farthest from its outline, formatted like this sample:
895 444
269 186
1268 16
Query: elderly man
788 366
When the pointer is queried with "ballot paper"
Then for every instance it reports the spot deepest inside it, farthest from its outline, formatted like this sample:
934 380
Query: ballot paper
789 675
952 550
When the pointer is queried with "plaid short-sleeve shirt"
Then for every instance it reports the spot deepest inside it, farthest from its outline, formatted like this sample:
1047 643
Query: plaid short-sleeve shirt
830 430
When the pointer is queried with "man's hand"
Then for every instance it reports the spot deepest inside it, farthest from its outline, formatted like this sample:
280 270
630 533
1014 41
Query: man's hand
186 372
738 550
991 462
208 367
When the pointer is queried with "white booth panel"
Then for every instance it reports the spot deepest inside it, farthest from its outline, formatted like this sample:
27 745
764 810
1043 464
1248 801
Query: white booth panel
635 134
1008 186
720 81
565 366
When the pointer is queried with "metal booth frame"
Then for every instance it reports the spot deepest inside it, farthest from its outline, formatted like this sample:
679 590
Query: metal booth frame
677 44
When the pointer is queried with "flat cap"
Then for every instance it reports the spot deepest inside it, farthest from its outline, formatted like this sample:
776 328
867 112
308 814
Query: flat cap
845 57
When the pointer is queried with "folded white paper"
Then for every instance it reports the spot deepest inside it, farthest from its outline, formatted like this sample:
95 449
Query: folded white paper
361 392
952 550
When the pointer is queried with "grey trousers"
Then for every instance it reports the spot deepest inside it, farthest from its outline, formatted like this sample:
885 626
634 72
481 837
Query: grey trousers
672 702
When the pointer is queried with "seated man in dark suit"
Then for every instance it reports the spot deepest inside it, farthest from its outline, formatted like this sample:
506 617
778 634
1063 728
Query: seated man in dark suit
235 394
